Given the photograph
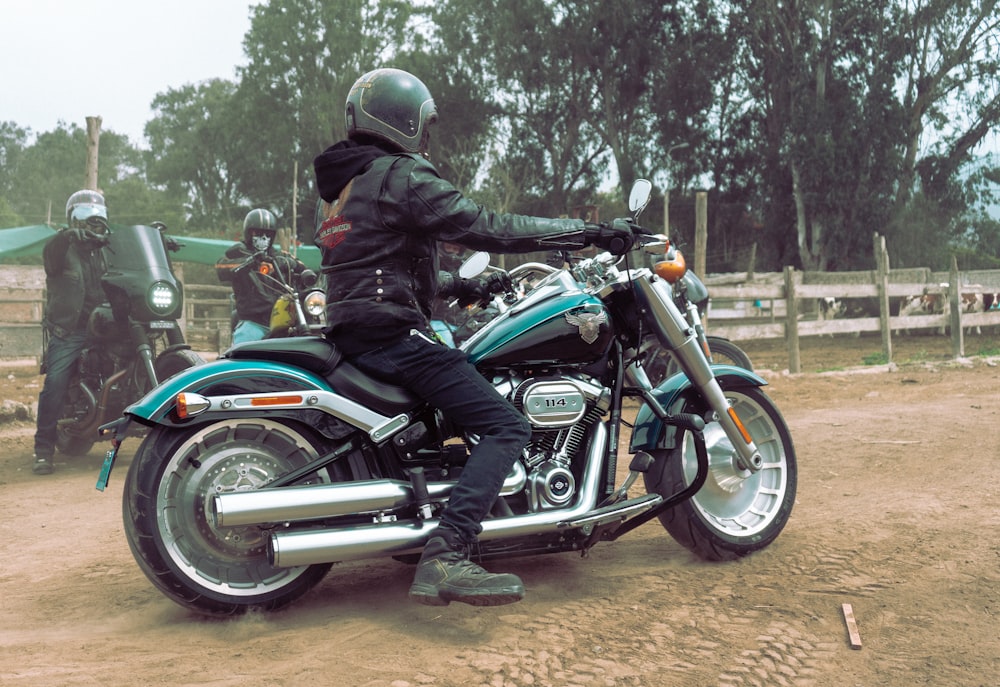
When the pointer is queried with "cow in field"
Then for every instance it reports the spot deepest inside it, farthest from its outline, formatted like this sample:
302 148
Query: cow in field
940 304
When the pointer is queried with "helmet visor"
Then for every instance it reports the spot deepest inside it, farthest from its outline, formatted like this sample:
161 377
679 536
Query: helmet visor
82 213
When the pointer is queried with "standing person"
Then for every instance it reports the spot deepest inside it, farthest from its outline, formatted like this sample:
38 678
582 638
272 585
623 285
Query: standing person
254 298
74 263
385 209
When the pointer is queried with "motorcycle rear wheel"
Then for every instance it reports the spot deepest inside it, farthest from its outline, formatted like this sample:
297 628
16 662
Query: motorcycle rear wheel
735 512
169 523
80 407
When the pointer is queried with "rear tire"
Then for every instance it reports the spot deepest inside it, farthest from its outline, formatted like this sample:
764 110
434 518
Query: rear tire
735 512
167 510
80 407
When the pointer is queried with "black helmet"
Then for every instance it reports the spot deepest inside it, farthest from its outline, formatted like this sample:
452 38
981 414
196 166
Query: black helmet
259 224
84 204
393 106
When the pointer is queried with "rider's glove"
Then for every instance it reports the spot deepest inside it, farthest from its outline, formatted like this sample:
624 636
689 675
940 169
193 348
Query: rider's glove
80 235
616 238
472 291
499 282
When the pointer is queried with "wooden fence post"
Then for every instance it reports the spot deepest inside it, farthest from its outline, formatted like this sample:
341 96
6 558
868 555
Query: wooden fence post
700 231
882 285
792 321
955 299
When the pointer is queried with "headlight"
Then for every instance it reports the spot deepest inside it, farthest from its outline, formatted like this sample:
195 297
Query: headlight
315 303
162 298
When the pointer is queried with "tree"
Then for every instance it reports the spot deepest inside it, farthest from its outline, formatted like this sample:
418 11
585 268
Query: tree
197 152
303 56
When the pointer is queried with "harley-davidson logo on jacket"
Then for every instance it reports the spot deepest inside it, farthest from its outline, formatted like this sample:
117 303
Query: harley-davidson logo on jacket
332 232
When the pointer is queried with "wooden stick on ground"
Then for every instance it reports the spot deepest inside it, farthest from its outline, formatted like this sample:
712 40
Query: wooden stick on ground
852 626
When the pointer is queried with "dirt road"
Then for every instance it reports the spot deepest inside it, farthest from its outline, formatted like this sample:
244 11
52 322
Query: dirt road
896 515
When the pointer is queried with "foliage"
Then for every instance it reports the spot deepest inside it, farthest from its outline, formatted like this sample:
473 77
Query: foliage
812 124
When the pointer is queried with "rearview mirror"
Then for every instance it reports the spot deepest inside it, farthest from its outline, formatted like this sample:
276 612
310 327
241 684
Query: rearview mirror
639 196
474 265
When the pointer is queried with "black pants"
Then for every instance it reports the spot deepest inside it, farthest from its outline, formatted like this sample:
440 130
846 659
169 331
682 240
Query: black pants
444 378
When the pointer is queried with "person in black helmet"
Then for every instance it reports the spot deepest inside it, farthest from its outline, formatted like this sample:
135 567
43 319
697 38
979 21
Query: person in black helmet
384 210
243 265
74 264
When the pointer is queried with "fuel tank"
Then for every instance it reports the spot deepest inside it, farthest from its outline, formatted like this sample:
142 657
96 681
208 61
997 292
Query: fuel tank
555 323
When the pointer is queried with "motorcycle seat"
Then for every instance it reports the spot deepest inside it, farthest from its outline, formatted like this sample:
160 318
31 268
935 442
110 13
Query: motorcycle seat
319 356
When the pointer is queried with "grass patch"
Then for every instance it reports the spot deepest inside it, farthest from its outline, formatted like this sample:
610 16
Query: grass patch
874 359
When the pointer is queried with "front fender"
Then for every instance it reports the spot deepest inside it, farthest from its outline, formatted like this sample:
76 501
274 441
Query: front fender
649 429
220 378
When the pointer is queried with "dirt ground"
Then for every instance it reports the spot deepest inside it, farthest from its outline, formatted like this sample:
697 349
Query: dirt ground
896 515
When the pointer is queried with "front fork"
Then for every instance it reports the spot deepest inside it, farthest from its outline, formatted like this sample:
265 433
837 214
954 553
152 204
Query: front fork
674 332
140 341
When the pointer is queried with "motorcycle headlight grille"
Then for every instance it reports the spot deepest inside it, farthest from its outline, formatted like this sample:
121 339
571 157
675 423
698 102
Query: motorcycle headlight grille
162 298
315 303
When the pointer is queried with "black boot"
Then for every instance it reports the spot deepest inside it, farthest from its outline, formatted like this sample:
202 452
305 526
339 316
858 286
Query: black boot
445 574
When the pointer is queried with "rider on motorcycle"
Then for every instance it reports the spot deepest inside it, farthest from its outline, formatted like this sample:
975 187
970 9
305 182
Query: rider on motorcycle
74 264
385 209
254 298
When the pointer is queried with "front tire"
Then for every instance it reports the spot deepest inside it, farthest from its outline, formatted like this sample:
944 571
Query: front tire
170 363
662 365
735 512
167 509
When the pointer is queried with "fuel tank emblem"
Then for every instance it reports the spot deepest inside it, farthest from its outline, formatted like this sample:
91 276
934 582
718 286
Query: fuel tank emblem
588 323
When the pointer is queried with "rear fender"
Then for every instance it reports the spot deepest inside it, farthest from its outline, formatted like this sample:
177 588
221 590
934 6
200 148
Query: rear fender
650 432
222 378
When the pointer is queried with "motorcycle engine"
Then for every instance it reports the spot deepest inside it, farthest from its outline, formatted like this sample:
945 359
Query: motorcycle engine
560 410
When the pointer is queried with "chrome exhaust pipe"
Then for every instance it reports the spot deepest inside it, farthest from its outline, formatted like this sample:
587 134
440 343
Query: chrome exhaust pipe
308 547
292 504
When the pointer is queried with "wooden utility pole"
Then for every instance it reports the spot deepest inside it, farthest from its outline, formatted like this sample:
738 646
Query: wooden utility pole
295 208
93 143
700 232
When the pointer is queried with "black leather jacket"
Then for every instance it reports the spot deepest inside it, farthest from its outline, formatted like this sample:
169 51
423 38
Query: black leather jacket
254 298
73 270
380 248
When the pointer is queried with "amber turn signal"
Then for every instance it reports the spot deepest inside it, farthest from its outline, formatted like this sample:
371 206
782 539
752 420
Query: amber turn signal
671 270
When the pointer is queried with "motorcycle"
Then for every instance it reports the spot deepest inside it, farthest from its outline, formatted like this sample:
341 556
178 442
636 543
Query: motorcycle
262 469
133 339
300 306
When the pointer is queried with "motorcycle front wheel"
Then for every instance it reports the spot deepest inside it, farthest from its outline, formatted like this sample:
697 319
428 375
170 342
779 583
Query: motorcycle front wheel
735 512
662 364
170 363
169 523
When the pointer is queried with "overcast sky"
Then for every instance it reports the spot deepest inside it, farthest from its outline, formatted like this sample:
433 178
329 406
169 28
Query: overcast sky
66 60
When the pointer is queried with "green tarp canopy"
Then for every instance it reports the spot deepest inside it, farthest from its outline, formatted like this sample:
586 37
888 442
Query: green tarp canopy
24 241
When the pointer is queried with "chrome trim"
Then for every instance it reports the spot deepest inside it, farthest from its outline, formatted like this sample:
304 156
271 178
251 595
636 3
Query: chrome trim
307 547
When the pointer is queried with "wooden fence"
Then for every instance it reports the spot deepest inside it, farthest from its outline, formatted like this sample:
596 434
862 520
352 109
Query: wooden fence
743 307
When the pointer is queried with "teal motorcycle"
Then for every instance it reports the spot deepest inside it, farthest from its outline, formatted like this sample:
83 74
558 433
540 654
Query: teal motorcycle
260 470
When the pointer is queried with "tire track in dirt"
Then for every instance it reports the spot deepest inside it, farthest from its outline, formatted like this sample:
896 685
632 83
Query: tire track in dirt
756 625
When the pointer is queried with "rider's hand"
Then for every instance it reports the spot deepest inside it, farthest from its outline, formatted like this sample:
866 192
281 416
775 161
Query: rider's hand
499 282
79 235
616 238
472 292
